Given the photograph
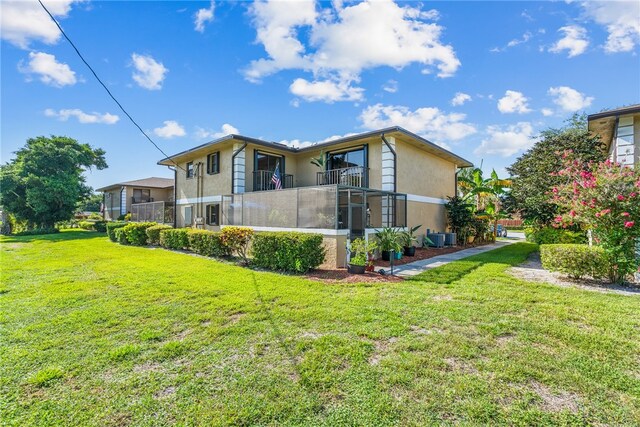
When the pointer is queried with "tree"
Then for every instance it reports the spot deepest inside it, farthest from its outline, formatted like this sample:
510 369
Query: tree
91 203
487 193
45 182
534 173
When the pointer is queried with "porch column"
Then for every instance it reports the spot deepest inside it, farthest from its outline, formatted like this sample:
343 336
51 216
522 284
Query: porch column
239 169
388 180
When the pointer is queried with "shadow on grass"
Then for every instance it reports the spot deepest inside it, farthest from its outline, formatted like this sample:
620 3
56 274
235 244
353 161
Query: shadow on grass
63 236
508 256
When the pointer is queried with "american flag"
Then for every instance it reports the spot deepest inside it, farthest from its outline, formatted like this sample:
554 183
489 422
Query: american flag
276 177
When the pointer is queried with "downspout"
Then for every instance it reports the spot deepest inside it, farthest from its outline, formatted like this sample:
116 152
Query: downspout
175 196
233 158
395 162
455 194
614 140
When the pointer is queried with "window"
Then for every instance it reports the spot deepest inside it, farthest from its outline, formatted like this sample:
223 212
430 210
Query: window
347 159
190 170
188 215
141 195
267 162
213 163
213 213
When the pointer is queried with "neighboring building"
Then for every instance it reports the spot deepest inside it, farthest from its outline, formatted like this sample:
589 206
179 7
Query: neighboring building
389 177
148 199
620 130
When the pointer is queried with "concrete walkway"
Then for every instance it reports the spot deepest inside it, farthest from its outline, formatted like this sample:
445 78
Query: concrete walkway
417 267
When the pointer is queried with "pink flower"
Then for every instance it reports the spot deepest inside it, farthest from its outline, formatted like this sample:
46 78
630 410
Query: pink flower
620 197
632 194
572 213
625 214
605 211
629 224
558 218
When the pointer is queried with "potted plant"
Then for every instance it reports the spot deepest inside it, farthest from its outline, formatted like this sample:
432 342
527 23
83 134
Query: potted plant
388 241
408 238
360 251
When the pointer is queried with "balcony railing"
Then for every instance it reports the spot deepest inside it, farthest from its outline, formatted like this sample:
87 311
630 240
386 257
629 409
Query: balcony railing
160 212
263 180
354 176
135 200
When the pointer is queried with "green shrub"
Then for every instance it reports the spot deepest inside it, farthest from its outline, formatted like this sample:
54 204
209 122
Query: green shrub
86 225
175 238
37 231
136 232
95 216
549 235
207 243
100 226
238 239
153 233
112 227
287 251
120 236
575 260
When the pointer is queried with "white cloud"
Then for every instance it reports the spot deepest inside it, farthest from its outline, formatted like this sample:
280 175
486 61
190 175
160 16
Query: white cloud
325 90
507 140
513 102
297 143
82 117
149 73
514 42
569 99
390 86
49 70
203 16
435 125
226 129
24 21
575 41
547 112
622 21
460 98
395 36
171 129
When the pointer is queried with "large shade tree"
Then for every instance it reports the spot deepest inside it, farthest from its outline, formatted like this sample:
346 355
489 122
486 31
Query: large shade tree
44 183
535 172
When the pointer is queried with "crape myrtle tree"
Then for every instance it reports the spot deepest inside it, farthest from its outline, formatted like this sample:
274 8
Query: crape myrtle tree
535 173
44 183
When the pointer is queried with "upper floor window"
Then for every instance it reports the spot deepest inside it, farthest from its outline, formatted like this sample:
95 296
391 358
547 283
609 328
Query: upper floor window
213 163
141 195
190 170
347 159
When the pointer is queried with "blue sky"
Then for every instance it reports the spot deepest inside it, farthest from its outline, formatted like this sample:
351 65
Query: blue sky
480 78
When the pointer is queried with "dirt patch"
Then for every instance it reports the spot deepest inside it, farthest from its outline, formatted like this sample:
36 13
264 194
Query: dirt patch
532 271
310 334
380 347
424 331
167 392
505 339
234 318
556 402
423 253
460 365
442 298
341 275
148 367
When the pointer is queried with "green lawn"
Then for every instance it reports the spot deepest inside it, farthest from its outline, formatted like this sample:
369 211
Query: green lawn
93 333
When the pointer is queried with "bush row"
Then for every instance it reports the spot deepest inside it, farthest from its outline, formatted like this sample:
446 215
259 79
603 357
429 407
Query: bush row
575 260
207 243
549 235
111 229
287 251
99 226
153 233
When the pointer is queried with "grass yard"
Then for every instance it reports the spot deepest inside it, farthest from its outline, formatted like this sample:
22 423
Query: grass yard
93 333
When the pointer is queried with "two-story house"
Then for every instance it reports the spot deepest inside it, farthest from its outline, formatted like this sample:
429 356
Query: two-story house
620 130
148 199
389 177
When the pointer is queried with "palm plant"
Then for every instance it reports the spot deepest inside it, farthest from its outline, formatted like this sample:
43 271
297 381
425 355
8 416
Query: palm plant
319 161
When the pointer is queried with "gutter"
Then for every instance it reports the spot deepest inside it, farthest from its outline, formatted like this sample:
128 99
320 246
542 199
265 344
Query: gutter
395 162
233 158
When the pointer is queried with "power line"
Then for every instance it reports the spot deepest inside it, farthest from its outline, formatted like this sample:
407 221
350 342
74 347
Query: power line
105 87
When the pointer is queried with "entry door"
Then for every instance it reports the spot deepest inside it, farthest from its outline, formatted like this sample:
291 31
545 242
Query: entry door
356 220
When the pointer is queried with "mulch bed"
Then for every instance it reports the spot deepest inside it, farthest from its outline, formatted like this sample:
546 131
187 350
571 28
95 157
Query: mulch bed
422 253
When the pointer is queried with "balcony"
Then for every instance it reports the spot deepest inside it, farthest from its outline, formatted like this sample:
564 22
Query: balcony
353 176
263 180
160 212
144 199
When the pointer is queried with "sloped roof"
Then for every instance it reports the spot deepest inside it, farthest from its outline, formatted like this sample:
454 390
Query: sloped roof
604 122
428 145
153 182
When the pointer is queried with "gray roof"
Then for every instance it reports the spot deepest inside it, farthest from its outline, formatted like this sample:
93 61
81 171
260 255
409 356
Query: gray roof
436 149
153 182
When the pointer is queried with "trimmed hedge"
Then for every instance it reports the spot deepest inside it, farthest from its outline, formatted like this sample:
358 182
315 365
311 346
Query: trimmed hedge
86 225
575 260
100 226
36 232
549 235
112 227
136 232
207 243
120 236
288 251
175 238
153 233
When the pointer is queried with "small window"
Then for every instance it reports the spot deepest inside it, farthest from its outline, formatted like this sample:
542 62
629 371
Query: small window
190 170
213 212
213 163
188 215
141 195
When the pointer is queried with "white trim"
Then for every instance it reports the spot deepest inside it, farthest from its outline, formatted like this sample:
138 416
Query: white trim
192 200
325 231
425 199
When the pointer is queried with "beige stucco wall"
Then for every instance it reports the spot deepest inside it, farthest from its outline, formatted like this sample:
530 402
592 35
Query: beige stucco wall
430 216
423 174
